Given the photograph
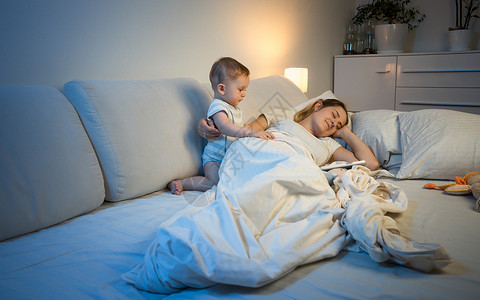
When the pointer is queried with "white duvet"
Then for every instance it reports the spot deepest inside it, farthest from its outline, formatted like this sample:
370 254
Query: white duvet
273 210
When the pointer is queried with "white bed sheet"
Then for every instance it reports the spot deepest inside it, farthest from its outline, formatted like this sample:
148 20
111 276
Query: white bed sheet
84 258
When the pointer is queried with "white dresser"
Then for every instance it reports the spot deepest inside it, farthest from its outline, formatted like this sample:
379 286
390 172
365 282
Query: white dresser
409 81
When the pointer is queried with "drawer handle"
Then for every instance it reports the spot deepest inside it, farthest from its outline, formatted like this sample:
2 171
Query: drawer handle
440 71
439 103
383 71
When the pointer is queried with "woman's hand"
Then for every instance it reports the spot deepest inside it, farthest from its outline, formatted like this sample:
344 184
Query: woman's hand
360 149
342 132
207 129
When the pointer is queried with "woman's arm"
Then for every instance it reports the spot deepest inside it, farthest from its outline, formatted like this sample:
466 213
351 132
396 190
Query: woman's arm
206 129
259 124
360 149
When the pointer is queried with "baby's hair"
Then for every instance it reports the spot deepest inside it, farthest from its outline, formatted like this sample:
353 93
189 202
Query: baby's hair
307 111
226 68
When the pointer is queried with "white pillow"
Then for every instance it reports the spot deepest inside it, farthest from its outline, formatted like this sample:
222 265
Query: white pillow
439 144
380 131
325 95
393 166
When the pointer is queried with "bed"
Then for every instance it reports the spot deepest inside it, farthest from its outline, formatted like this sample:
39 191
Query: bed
87 257
72 261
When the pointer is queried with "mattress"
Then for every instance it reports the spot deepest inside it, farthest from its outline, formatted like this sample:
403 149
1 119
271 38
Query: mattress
83 258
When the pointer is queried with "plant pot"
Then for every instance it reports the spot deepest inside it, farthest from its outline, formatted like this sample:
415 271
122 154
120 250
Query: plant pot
460 40
391 38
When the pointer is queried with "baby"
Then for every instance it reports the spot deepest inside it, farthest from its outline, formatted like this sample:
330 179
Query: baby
229 79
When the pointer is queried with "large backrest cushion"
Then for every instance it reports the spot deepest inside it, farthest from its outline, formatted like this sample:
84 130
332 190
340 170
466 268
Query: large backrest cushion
49 170
144 131
274 95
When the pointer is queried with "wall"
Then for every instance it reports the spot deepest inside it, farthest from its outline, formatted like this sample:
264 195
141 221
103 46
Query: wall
53 41
50 42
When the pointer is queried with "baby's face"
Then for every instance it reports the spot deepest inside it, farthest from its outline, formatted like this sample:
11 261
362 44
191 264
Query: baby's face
235 90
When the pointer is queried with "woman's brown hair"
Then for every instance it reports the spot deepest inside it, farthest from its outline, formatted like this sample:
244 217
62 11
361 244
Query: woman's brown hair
307 111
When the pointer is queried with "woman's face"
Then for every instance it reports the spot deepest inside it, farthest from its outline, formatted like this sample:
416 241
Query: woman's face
327 120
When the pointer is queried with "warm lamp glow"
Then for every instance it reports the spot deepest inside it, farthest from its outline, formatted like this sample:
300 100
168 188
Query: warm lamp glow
299 76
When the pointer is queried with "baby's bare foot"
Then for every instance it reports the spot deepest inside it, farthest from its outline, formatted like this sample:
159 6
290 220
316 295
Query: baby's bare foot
175 187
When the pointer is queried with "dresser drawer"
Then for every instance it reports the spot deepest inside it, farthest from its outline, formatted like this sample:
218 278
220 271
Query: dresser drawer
365 83
443 70
461 99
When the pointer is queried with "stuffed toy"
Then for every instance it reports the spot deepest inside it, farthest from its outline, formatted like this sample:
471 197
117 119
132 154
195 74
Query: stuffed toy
470 184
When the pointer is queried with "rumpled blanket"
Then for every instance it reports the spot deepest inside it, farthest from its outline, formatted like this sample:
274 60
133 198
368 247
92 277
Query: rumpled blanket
272 211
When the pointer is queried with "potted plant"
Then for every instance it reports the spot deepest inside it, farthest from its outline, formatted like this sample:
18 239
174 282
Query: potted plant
460 36
393 20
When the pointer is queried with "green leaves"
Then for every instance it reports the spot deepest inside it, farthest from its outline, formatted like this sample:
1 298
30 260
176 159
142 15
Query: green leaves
467 8
390 12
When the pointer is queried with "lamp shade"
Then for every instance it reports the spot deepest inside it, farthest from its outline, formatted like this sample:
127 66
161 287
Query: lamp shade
299 76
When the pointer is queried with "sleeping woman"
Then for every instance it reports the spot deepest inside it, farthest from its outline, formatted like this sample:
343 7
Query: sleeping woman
324 119
273 210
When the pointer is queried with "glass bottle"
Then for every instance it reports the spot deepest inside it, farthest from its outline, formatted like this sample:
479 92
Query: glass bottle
349 44
359 39
369 38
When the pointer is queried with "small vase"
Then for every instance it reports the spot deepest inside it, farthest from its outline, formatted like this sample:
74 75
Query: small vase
391 38
460 40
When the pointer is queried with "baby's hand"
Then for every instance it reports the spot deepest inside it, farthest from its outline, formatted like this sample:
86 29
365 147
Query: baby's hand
263 135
